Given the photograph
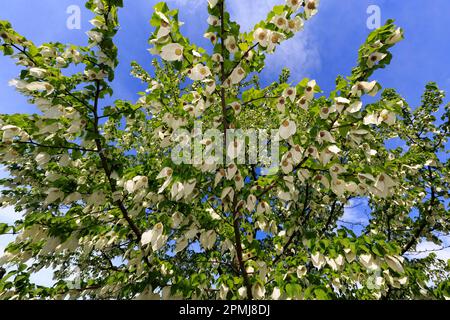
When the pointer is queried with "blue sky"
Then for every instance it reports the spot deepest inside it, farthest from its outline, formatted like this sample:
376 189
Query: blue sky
327 47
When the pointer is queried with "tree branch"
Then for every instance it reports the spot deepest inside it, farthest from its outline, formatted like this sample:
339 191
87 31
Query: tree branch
104 162
294 234
236 227
55 147
240 60
424 223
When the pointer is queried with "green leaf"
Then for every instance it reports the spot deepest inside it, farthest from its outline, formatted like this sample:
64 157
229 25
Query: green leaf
5 228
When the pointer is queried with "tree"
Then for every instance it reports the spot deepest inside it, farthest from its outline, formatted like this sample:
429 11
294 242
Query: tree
117 194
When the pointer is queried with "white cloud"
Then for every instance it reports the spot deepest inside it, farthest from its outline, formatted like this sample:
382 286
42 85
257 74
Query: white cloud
190 6
9 215
425 248
300 54
356 211
3 173
249 13
44 277
5 239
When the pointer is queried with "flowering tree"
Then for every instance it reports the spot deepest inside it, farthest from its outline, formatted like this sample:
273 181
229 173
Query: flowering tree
137 200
